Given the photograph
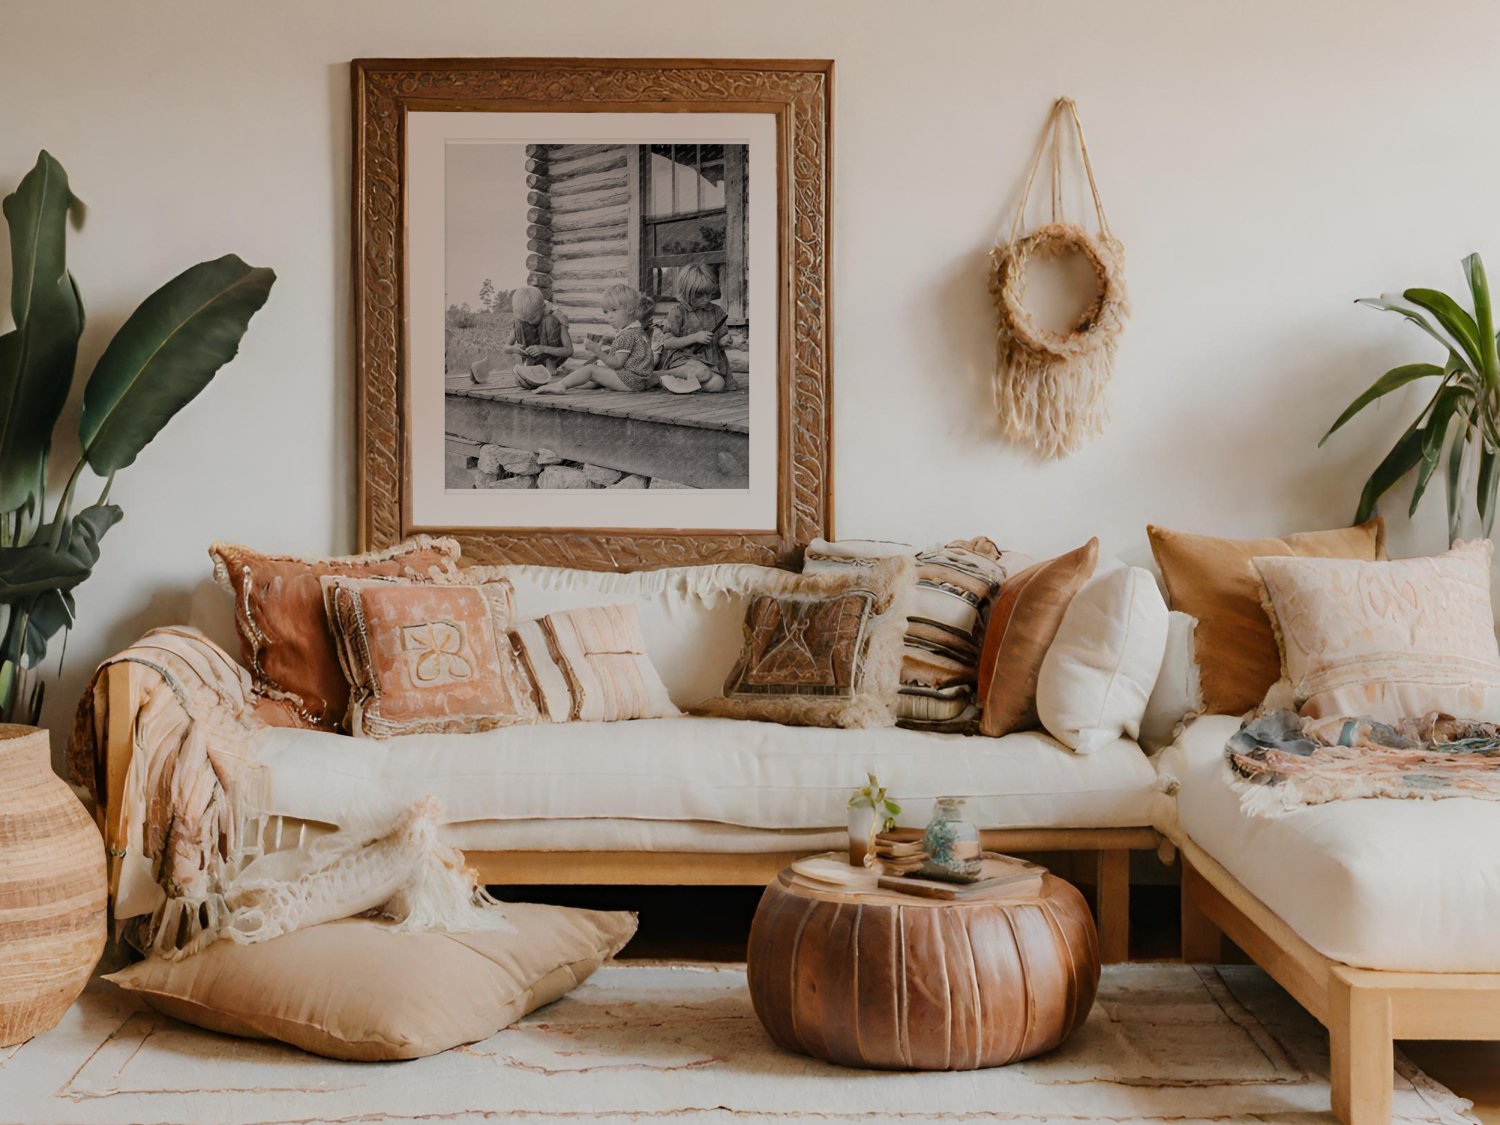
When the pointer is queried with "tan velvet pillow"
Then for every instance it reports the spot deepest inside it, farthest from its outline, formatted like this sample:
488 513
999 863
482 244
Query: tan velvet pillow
285 639
1025 618
357 990
823 649
1389 640
1214 580
427 657
590 666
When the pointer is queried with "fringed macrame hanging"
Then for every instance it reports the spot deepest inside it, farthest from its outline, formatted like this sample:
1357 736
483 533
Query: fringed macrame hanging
1049 386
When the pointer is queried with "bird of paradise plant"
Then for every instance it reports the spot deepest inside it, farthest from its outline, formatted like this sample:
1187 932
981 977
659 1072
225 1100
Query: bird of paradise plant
163 355
1458 426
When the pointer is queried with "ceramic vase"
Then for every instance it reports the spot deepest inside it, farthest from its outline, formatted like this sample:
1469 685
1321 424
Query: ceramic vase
52 888
861 831
951 843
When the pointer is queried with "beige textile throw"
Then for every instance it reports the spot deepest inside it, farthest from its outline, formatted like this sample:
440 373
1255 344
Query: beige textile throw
192 843
1049 386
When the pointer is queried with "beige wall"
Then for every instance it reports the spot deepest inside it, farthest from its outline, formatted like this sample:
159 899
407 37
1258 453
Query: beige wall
1264 164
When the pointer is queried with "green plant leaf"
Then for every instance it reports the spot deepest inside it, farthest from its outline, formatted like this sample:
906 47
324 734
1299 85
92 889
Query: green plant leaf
37 356
1402 458
1488 480
1455 321
35 568
1394 379
1484 317
1445 404
168 351
1391 302
1455 475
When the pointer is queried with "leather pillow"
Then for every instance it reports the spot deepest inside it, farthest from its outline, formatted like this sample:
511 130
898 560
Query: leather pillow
285 639
1215 581
427 657
357 990
1025 619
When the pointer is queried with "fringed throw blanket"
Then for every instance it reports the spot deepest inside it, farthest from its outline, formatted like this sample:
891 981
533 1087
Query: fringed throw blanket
1281 761
191 842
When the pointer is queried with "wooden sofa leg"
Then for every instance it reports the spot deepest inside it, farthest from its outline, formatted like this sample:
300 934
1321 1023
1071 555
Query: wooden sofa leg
1202 941
1112 886
1361 1052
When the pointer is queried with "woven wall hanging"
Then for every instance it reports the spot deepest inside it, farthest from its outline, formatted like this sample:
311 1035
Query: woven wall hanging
1049 386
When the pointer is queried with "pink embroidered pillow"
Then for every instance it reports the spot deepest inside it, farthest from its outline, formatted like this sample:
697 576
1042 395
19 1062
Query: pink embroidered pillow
427 657
590 665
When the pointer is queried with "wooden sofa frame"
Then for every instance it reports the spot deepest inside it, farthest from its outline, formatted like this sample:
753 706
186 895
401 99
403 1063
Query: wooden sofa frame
1111 846
1364 1010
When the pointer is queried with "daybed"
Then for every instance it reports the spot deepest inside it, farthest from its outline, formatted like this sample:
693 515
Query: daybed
1378 915
670 801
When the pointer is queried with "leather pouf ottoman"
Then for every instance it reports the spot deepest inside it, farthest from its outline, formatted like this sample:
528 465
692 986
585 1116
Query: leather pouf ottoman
889 980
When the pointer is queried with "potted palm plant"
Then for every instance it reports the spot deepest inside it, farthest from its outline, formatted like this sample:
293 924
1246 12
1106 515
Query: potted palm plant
164 354
1457 426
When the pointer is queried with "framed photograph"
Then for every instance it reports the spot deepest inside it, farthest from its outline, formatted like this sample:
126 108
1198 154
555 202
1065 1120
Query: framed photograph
592 307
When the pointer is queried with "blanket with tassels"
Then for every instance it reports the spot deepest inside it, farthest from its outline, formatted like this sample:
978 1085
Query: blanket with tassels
194 857
1281 761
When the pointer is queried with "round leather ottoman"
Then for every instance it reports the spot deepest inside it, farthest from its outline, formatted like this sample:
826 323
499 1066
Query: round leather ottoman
883 979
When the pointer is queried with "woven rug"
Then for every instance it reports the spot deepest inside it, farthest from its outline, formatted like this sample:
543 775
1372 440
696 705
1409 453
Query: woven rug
642 1042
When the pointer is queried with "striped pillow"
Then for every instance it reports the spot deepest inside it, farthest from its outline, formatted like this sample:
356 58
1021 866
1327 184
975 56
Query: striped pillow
956 583
590 665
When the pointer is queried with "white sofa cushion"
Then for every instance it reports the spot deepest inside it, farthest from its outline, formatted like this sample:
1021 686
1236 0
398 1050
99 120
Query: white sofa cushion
1379 884
731 771
1101 665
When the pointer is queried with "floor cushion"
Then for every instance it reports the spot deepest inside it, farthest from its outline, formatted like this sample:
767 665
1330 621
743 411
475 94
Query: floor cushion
1379 884
357 990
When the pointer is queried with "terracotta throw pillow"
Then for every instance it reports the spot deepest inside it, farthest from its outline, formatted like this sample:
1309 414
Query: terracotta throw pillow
590 665
956 584
285 639
427 657
357 990
1026 617
1214 580
1388 640
823 649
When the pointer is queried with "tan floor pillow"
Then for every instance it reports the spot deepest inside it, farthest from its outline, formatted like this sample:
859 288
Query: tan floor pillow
358 990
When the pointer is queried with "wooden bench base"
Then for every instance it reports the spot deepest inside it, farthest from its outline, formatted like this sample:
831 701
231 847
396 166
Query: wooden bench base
1364 1010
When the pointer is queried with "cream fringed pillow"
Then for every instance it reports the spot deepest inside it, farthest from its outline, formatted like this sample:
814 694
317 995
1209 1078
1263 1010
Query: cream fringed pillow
1390 640
590 665
427 657
356 990
823 650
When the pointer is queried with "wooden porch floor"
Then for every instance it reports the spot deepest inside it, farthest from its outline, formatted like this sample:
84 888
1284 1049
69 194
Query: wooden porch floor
727 412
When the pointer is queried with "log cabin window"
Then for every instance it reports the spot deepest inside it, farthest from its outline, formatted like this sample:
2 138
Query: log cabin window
693 210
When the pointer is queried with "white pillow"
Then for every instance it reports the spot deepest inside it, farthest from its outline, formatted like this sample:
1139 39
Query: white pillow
1178 694
1098 674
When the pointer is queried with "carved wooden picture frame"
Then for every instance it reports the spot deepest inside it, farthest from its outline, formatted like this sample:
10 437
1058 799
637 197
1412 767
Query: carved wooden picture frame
786 102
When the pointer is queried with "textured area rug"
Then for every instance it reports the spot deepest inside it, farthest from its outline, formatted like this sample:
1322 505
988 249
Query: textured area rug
651 1042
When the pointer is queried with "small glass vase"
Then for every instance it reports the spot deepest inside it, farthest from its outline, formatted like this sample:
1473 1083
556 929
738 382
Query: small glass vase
951 843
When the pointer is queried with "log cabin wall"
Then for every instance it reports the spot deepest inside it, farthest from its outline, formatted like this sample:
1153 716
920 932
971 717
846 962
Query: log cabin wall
584 235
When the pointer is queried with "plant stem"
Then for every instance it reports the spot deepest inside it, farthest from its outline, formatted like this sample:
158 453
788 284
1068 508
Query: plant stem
65 504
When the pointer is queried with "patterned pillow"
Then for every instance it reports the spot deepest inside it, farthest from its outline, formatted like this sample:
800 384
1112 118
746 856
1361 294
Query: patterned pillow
956 584
590 665
426 657
284 634
823 649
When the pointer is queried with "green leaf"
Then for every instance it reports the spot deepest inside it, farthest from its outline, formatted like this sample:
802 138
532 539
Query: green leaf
37 356
50 612
1455 476
1446 403
1390 302
1393 379
1454 319
1402 458
168 351
1484 316
35 568
82 534
1488 480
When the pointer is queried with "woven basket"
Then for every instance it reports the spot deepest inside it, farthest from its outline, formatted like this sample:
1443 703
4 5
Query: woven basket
52 889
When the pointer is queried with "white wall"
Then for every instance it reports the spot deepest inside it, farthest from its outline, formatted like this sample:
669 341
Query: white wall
1264 164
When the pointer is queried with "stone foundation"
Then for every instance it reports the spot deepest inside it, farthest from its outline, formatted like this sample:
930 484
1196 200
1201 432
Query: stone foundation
472 465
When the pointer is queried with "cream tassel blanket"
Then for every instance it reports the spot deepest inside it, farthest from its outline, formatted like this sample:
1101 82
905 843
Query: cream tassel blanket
1049 386
189 850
